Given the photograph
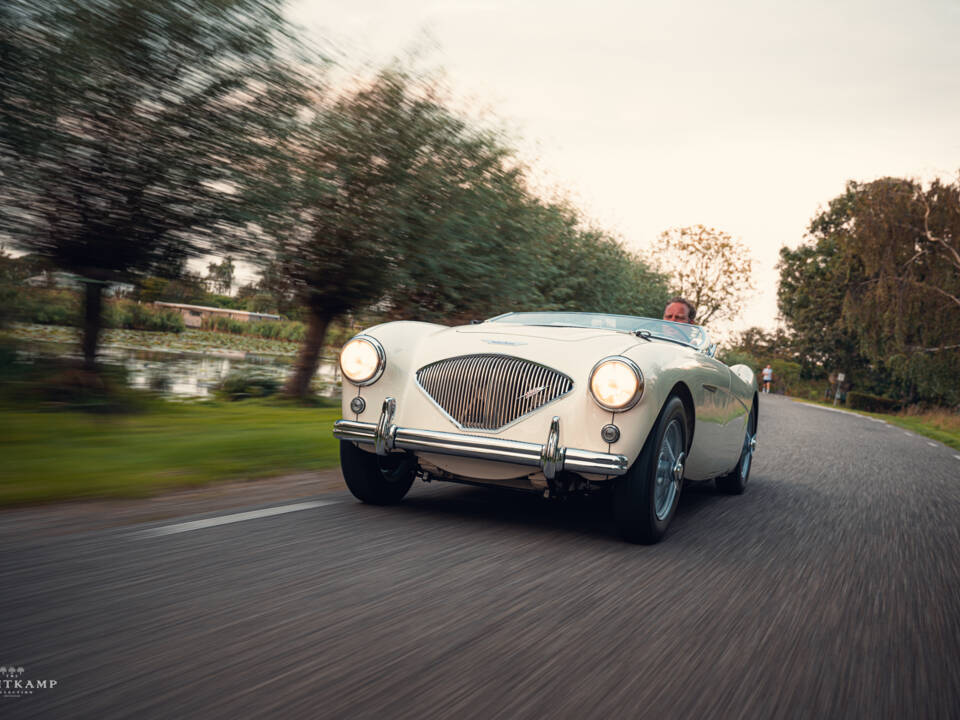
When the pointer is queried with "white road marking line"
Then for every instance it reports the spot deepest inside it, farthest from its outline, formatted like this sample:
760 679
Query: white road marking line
845 412
830 409
931 444
227 519
957 457
908 434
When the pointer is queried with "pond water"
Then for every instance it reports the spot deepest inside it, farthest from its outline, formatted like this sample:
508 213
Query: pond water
191 374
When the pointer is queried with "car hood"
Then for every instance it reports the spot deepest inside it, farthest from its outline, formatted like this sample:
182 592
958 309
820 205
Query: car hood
566 349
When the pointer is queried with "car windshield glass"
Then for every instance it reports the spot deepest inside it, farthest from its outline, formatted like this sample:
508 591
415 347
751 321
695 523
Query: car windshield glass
692 335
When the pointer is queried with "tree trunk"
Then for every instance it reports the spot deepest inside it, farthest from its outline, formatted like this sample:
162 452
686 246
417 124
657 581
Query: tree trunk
92 316
298 385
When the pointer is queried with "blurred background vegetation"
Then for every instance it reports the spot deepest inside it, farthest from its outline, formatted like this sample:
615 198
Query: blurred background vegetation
137 136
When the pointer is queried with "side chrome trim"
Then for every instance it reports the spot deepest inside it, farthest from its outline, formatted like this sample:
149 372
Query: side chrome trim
550 457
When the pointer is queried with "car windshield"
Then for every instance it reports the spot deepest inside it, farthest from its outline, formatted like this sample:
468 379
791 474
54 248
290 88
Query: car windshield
683 333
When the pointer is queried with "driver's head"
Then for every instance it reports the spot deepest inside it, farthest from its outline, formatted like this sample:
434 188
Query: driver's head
680 310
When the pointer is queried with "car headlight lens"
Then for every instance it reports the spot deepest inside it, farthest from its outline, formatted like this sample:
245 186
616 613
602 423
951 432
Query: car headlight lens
362 360
616 384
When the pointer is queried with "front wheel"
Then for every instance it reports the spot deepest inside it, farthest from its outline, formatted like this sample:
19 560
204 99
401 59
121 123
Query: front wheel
376 479
647 496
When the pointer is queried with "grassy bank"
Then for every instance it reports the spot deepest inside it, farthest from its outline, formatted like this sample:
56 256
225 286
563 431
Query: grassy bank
186 341
69 455
940 425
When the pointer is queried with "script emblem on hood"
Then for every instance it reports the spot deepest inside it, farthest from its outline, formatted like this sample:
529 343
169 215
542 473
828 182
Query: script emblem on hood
531 393
503 342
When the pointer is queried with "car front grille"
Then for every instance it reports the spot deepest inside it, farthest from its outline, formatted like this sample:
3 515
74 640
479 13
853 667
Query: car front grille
487 392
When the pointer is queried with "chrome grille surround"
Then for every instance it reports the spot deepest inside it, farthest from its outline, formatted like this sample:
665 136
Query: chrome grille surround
489 391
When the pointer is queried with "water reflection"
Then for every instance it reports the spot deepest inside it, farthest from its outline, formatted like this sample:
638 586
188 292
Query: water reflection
191 374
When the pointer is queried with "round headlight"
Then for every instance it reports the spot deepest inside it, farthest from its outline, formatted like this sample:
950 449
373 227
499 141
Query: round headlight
362 360
616 383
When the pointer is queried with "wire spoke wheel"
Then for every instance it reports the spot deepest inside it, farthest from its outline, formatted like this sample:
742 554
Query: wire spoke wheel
646 498
669 470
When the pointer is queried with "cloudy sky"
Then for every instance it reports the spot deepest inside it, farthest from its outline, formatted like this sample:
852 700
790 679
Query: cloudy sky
744 115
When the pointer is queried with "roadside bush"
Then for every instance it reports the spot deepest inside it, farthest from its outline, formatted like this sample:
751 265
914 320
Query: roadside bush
54 383
870 403
786 377
269 329
45 307
225 324
738 357
242 385
134 316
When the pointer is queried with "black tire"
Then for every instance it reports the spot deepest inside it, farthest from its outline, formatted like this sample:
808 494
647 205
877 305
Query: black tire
735 482
375 479
637 494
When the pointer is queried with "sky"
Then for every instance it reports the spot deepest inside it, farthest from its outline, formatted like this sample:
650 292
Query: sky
746 116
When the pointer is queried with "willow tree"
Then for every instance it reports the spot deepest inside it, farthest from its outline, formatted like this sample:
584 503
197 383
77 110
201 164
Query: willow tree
129 130
392 199
876 290
906 307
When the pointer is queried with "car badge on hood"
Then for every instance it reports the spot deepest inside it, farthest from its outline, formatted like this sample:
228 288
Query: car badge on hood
531 393
503 342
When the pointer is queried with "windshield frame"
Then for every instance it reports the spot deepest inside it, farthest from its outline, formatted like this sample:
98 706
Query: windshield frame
694 336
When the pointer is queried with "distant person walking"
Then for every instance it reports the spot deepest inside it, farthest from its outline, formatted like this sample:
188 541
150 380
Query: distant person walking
767 378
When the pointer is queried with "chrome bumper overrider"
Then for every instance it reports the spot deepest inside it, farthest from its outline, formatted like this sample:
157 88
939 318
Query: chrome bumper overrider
550 457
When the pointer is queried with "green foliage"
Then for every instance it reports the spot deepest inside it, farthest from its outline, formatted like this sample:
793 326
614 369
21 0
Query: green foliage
870 403
756 349
185 288
270 329
58 384
57 456
62 307
274 330
244 385
132 130
787 377
394 202
584 269
876 294
45 307
225 324
737 356
136 316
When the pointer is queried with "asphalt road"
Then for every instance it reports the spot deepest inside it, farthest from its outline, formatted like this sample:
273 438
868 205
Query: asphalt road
831 589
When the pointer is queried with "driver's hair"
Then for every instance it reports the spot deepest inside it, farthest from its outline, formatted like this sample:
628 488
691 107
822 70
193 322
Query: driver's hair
691 308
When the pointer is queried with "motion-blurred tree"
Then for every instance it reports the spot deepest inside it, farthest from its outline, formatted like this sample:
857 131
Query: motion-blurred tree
708 267
130 129
391 199
585 269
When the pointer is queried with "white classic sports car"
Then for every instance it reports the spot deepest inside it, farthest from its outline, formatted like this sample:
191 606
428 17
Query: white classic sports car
551 402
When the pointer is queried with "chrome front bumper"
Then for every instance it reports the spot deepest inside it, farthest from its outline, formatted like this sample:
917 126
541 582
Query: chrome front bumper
550 457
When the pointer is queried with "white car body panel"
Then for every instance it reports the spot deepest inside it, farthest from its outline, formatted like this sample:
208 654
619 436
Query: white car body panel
722 396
